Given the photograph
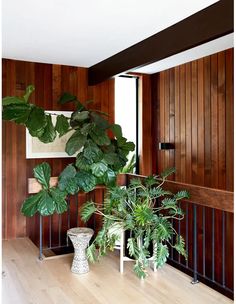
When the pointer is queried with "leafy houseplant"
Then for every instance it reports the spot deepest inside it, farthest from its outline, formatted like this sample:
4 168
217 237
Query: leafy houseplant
135 208
99 156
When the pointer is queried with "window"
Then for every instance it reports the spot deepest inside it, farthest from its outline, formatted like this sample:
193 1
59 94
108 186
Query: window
126 112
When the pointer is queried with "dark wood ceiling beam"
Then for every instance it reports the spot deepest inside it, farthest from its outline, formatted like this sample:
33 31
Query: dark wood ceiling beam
213 22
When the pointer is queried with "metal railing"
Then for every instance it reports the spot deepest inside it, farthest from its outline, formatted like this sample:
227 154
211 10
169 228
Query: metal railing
207 229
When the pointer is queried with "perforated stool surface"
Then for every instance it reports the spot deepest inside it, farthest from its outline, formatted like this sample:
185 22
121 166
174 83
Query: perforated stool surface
80 237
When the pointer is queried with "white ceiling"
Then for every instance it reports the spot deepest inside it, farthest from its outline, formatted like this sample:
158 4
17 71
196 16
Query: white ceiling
203 50
84 32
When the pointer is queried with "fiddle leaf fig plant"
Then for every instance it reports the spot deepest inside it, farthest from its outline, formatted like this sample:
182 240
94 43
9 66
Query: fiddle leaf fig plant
49 199
99 156
146 210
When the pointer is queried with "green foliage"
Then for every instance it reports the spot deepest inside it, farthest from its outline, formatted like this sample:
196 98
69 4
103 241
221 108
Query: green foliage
135 208
62 125
161 254
87 211
49 199
66 97
67 181
99 157
42 173
49 132
75 142
85 180
19 112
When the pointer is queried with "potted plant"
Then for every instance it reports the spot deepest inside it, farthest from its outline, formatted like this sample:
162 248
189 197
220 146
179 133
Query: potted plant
100 155
145 209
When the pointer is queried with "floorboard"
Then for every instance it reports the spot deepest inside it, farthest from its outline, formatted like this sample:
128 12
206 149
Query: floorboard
25 280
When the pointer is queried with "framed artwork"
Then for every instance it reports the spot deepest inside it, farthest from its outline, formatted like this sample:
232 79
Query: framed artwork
37 149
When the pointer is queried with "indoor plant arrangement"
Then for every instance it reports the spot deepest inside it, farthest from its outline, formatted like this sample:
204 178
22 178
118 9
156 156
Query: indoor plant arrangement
145 209
99 156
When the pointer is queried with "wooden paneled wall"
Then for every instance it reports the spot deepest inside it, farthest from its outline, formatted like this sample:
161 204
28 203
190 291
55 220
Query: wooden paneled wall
50 82
193 106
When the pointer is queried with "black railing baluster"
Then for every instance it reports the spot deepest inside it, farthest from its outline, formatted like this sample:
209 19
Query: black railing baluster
179 230
195 280
213 246
172 241
186 232
59 230
40 237
223 248
77 210
68 219
204 241
50 231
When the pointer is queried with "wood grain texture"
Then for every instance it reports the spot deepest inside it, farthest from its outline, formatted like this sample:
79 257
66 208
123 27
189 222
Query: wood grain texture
50 82
147 143
26 280
198 119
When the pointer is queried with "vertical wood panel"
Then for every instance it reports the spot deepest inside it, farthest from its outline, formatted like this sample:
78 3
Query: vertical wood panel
147 142
177 126
182 94
50 82
195 112
203 138
229 120
214 122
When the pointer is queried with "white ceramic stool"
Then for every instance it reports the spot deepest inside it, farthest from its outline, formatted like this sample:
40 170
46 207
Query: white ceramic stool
80 238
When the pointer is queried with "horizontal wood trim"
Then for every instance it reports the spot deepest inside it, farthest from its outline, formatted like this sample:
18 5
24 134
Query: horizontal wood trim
210 23
34 186
208 197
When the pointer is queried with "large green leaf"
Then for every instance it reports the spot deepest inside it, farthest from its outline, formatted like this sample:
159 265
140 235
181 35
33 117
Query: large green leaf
125 145
116 129
49 133
86 181
12 100
46 205
29 90
168 172
163 230
92 151
58 197
100 137
180 246
111 158
62 125
161 254
37 121
67 97
80 116
82 162
109 178
30 205
99 120
67 180
75 142
98 169
19 113
133 247
42 173
91 253
87 127
87 210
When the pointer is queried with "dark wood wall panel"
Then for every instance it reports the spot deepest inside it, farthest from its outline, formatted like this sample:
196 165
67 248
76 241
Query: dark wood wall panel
50 82
194 110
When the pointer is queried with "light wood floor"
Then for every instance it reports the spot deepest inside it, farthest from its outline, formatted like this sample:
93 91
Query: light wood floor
27 280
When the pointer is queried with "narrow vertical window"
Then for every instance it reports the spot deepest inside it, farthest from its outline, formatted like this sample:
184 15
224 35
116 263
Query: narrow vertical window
126 112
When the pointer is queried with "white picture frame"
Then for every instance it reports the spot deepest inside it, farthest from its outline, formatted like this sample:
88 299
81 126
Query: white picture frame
37 149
